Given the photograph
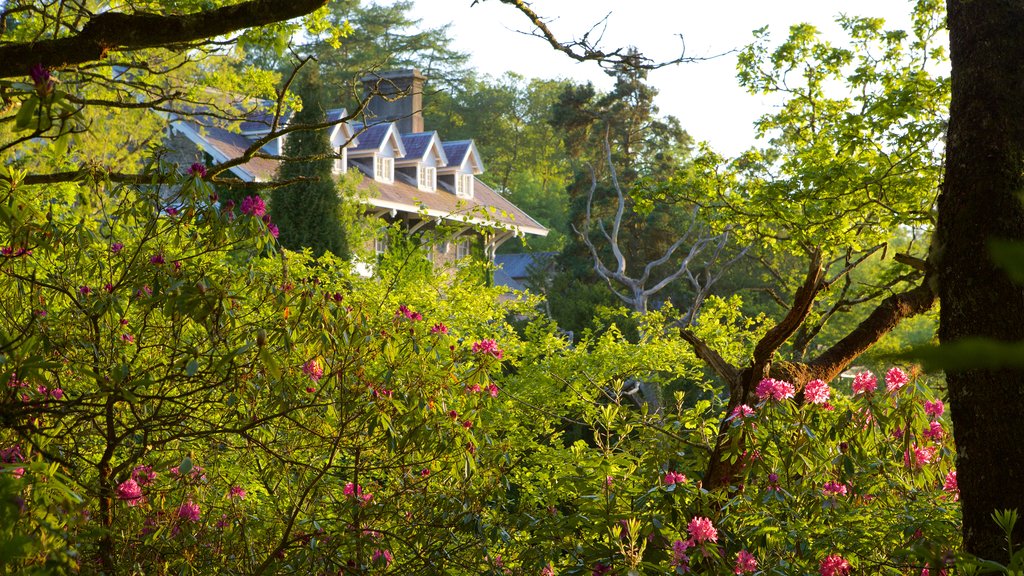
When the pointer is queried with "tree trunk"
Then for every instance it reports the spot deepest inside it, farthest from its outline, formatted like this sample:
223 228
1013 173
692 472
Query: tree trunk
980 202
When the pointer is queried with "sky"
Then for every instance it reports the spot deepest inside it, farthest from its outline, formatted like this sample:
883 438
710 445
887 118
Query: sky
704 95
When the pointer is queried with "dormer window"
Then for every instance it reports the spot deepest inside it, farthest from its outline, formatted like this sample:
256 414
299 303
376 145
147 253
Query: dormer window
464 185
384 169
427 178
341 164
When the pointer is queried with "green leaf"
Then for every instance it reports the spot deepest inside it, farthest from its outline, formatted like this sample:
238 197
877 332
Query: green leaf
1010 257
23 121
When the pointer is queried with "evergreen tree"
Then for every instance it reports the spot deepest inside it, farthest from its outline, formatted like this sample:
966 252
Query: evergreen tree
308 213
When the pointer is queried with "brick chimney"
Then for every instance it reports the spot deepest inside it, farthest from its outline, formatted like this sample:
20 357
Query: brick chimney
395 96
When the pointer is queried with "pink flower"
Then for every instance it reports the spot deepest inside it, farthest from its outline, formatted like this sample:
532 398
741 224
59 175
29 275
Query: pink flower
272 228
143 475
832 489
254 206
916 457
894 380
237 492
196 170
488 346
864 383
116 247
701 530
816 392
679 557
130 492
951 486
745 563
740 412
467 424
157 259
492 389
934 431
672 477
547 570
934 409
777 390
404 310
84 290
834 565
189 511
383 554
439 328
313 370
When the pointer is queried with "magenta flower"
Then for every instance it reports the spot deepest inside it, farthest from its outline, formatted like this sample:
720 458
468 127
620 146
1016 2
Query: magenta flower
934 409
740 412
745 563
254 206
917 456
41 78
157 259
404 310
197 170
834 565
934 431
488 346
84 290
673 477
492 389
817 392
382 554
237 492
679 558
272 228
143 475
313 370
950 485
189 511
116 247
439 328
702 530
831 489
894 380
547 570
129 492
864 383
777 390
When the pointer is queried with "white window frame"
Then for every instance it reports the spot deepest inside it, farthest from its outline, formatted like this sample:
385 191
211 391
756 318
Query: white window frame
463 249
384 169
426 176
464 185
341 164
381 243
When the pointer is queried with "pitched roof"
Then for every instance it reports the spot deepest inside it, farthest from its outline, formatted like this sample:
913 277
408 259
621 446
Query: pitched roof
486 207
225 145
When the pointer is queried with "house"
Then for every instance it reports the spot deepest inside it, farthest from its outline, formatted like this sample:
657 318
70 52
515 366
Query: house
408 175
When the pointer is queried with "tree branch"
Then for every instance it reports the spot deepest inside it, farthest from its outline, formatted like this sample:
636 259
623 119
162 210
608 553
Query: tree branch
115 31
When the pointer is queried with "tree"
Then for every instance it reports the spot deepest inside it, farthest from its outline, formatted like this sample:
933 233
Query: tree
980 205
308 213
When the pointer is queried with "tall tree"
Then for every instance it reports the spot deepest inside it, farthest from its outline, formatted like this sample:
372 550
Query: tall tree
981 204
308 212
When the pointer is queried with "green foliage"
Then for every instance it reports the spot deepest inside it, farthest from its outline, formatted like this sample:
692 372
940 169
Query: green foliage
308 212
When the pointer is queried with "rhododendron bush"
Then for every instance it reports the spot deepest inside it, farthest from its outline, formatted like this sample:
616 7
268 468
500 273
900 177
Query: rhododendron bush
179 396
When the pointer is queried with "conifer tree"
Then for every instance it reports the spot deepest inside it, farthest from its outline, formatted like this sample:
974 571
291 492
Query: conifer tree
308 213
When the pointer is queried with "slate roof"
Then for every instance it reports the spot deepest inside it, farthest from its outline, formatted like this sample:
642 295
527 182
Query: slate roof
372 137
416 144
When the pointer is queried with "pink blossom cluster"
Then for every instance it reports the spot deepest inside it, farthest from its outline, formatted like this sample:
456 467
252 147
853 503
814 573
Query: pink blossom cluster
254 206
313 370
383 555
864 383
817 392
143 475
130 492
777 390
740 412
745 563
679 557
356 493
934 408
236 492
488 346
834 565
918 456
12 252
934 431
13 455
832 489
702 530
950 485
189 510
673 477
439 328
405 311
895 379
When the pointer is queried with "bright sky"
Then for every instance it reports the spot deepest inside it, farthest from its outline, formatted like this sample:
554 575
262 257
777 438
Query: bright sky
704 96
